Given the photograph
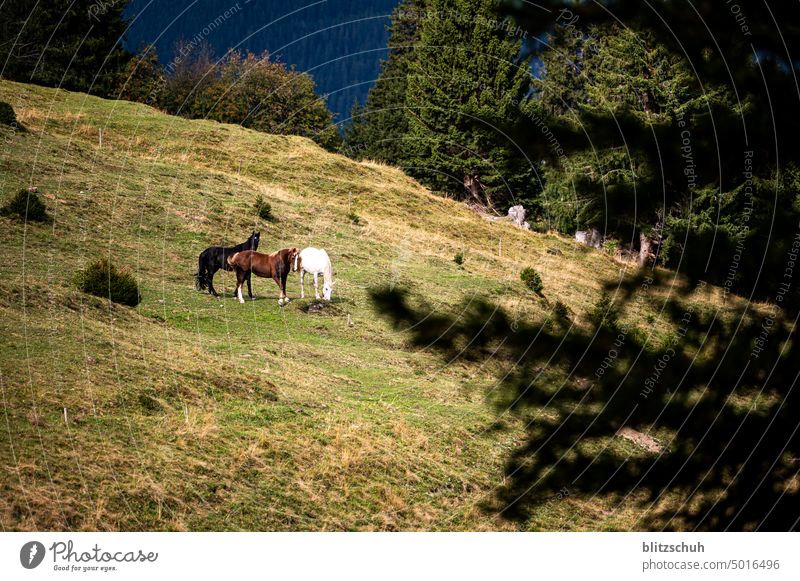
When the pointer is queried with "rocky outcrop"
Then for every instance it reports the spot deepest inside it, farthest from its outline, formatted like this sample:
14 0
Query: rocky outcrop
517 215
591 237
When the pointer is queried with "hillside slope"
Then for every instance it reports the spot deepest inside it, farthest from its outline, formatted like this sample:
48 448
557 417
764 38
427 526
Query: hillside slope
191 412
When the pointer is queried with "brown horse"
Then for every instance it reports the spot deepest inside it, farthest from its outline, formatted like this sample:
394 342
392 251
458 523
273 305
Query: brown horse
277 266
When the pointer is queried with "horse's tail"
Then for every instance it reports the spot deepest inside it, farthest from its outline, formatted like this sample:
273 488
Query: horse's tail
232 258
199 276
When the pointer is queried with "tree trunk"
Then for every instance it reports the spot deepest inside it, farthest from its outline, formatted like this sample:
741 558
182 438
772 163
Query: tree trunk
473 186
645 249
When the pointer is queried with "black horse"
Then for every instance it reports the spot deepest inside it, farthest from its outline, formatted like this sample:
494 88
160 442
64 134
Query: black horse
216 257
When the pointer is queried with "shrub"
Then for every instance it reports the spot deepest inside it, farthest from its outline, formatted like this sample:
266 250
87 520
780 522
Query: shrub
263 209
354 218
532 279
26 205
252 90
103 279
142 78
605 313
561 311
7 115
459 258
610 246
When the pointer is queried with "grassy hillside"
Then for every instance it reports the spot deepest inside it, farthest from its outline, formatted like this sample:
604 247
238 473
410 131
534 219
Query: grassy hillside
190 412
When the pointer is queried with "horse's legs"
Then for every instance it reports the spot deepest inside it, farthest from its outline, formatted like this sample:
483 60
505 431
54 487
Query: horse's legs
210 279
302 284
249 288
277 280
240 278
281 280
316 285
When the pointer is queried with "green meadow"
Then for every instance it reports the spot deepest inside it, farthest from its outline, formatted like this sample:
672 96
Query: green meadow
194 413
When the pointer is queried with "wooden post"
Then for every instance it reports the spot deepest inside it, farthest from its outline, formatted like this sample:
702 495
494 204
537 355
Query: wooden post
101 136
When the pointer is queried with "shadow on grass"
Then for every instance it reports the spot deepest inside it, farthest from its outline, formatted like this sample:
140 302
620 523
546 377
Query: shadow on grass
717 407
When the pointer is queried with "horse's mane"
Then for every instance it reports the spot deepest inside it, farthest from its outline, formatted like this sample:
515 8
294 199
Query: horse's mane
249 244
283 253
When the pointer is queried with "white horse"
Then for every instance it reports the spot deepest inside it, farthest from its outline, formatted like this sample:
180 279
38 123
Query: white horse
315 261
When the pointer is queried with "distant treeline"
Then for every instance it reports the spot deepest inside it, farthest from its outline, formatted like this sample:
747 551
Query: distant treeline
77 45
339 42
250 90
676 146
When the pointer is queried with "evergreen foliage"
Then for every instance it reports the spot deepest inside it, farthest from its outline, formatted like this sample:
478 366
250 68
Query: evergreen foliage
26 205
466 85
7 115
263 209
378 128
103 279
532 279
681 130
72 44
614 181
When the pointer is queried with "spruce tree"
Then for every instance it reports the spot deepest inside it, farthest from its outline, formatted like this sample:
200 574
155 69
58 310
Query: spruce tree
378 128
616 181
466 86
73 44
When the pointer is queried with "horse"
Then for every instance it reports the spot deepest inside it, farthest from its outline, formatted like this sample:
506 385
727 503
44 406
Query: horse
214 258
315 261
277 266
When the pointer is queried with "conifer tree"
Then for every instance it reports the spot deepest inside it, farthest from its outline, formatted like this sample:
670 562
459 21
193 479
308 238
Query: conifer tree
73 44
378 128
466 86
615 181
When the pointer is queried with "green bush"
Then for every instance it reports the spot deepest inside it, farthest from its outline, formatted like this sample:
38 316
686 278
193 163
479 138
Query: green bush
532 279
605 313
459 258
263 209
103 279
7 115
561 311
354 218
26 205
248 89
610 246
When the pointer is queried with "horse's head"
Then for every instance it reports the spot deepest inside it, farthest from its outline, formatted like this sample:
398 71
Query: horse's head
297 262
293 255
254 238
327 289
